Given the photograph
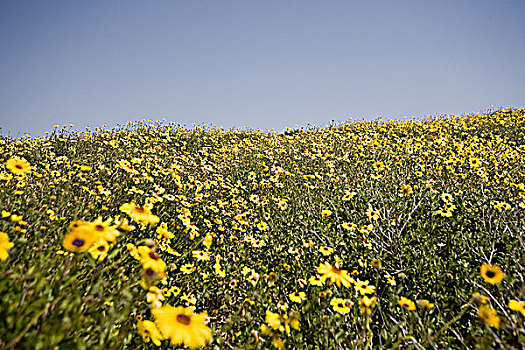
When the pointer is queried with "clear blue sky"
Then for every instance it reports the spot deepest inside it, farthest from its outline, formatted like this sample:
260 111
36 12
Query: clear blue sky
262 64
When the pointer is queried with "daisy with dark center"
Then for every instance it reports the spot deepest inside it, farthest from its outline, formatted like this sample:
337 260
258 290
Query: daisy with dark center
297 297
335 274
363 287
343 306
104 230
80 238
407 304
326 250
182 326
326 213
201 255
18 165
376 263
99 250
475 162
152 273
140 214
492 273
150 258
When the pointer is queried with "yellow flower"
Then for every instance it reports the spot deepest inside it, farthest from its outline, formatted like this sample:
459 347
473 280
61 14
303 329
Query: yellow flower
254 278
364 288
297 297
273 320
326 213
188 269
406 190
18 165
349 226
480 299
489 316
140 214
155 296
376 263
5 245
104 230
281 305
148 330
80 238
445 197
407 304
316 281
262 225
366 305
475 162
201 255
219 270
99 250
149 258
182 326
425 304
326 250
162 230
340 305
336 275
492 273
372 214
517 305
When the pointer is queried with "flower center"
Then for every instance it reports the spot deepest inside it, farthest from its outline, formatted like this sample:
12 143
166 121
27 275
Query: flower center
336 270
490 274
78 242
184 319
150 272
101 248
153 256
18 166
99 227
139 210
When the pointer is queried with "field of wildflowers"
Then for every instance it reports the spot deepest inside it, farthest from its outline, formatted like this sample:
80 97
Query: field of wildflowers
382 234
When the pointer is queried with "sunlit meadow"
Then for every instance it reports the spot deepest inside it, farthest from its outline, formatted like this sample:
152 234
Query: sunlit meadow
367 234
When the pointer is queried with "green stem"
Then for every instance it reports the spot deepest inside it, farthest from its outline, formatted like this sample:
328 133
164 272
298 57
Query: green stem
31 323
445 327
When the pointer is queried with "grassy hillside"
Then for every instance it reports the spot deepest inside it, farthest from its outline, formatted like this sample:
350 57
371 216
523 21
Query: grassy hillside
364 235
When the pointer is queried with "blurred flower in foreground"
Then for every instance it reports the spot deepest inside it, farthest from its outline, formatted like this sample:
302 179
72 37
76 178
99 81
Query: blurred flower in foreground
517 305
5 245
489 316
407 304
149 331
182 326
80 237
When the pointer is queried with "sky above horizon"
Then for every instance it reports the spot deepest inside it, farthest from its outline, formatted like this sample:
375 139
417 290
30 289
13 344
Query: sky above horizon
260 64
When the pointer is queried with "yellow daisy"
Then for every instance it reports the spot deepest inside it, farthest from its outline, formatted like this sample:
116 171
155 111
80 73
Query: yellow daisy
18 165
492 273
182 326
